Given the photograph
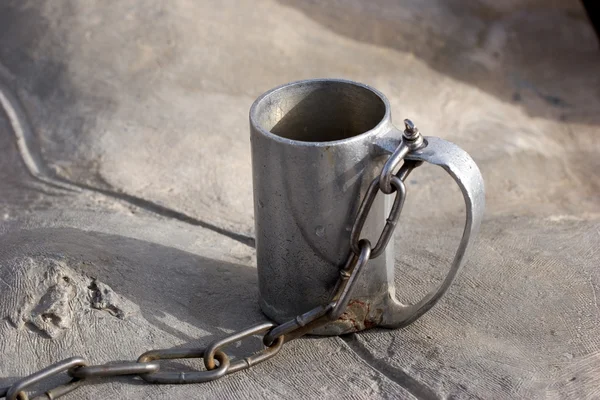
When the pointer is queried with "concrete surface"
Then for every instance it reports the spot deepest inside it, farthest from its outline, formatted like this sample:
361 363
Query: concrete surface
126 201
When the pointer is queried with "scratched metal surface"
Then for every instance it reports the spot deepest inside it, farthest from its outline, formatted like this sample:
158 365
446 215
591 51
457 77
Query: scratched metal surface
125 167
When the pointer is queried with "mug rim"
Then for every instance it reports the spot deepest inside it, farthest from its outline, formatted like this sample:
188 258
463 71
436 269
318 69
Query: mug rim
385 120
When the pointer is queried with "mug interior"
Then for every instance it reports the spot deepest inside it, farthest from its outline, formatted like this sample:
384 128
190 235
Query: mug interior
320 110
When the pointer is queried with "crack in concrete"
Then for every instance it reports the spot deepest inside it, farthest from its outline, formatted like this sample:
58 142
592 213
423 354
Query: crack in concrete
398 376
37 168
24 137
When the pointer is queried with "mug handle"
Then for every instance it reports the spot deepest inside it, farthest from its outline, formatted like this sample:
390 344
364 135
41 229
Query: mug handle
466 174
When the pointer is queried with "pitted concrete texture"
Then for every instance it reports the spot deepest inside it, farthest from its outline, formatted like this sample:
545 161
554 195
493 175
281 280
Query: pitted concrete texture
126 198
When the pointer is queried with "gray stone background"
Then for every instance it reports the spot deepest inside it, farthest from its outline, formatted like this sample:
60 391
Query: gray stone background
126 198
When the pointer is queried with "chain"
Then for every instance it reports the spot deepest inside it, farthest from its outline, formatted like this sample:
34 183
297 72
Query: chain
216 362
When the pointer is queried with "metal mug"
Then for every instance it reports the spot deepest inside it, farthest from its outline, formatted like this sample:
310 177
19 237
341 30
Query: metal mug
316 147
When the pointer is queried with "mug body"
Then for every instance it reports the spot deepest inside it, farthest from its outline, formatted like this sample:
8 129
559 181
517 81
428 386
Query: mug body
314 153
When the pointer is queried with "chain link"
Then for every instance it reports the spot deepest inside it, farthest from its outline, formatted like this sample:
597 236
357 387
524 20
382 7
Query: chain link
17 390
265 354
390 224
216 362
183 376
